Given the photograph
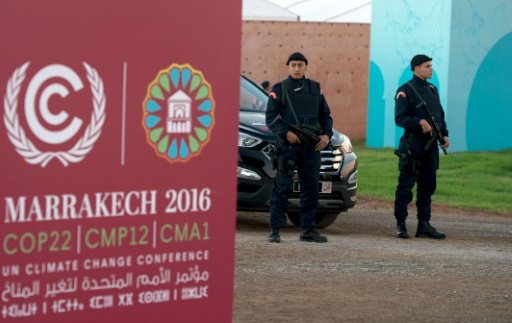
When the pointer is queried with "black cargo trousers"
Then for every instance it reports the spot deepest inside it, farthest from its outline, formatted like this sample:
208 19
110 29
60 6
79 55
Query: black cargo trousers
307 162
416 166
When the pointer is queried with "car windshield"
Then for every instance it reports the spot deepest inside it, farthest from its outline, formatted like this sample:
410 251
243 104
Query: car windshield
252 97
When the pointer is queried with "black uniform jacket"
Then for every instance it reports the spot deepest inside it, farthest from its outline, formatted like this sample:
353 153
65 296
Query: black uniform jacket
309 104
408 112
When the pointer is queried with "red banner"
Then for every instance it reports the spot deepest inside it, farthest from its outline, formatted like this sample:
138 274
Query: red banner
118 157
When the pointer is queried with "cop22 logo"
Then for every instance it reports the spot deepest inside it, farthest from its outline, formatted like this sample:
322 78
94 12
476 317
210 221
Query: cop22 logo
41 88
178 113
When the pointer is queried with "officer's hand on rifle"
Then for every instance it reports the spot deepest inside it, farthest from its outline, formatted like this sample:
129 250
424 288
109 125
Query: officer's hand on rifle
324 141
292 138
425 127
446 142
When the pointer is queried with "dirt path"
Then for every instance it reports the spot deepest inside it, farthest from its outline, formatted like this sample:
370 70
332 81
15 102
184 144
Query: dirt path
365 274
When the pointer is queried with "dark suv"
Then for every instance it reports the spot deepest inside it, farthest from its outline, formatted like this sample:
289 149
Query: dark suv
338 169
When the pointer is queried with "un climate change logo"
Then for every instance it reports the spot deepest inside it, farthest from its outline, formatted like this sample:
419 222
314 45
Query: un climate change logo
52 129
178 113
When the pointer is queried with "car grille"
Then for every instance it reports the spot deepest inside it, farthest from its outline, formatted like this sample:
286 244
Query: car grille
331 160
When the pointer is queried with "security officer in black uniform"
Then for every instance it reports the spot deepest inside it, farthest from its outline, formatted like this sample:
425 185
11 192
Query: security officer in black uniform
418 150
303 103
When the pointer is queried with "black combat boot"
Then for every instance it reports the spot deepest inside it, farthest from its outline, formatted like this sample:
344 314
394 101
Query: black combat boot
311 235
274 236
425 230
401 229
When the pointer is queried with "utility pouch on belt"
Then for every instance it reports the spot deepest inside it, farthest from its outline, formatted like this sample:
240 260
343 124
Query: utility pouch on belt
285 164
407 164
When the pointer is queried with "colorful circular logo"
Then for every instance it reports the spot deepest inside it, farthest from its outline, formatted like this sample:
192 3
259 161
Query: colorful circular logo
178 113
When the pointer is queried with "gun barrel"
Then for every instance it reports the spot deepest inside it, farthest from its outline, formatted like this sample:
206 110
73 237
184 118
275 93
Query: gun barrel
303 133
434 125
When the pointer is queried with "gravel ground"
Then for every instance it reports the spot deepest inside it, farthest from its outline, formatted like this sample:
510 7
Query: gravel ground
365 274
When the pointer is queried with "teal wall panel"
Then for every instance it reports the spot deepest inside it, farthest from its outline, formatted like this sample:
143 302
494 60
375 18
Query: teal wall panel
376 112
401 29
471 46
480 85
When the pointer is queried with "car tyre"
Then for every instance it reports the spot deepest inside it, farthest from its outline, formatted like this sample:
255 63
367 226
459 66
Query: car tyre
323 220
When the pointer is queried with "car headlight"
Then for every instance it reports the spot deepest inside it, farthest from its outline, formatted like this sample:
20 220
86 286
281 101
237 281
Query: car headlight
346 145
245 140
247 174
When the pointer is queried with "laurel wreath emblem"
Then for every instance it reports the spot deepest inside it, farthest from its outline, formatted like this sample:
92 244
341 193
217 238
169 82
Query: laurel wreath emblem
26 148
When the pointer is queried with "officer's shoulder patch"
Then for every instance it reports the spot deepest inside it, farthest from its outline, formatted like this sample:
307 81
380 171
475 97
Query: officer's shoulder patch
400 94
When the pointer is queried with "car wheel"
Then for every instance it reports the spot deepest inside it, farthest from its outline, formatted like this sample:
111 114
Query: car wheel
323 220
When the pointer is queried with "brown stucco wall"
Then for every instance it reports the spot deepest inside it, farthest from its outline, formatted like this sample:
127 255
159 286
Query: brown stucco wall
338 56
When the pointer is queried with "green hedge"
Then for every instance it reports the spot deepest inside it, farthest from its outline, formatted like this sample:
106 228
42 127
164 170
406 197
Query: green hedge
480 181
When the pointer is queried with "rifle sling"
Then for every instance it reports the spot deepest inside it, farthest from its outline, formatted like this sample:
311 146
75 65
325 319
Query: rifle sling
423 102
289 104
288 101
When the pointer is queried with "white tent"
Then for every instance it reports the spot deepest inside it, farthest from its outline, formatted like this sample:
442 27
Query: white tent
265 10
348 11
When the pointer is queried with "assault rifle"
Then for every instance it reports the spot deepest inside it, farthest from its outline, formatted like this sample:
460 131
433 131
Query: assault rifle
305 133
433 124
431 120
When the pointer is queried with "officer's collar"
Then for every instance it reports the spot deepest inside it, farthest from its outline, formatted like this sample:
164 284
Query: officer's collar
420 81
296 85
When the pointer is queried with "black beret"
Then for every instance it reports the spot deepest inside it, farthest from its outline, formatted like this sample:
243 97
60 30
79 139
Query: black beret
297 57
418 60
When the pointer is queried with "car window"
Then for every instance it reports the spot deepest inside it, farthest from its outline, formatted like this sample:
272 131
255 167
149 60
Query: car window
252 97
